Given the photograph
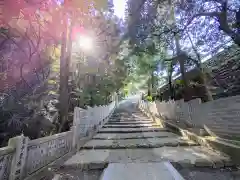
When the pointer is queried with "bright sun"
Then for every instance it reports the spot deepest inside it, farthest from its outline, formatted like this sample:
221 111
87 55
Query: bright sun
85 42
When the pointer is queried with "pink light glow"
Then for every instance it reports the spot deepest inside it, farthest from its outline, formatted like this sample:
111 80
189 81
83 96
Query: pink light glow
76 31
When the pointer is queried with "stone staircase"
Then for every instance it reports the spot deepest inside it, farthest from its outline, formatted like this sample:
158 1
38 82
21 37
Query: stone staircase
131 137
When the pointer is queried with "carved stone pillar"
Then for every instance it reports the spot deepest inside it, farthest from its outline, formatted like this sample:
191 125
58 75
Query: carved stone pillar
79 125
20 144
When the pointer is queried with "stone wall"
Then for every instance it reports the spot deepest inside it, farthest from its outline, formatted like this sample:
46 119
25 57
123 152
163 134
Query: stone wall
225 73
23 157
219 117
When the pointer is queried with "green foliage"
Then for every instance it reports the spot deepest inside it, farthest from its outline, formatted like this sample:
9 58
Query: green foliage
100 74
149 98
179 82
145 61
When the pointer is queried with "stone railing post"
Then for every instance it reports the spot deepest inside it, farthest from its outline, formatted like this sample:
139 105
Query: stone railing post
107 110
20 144
116 100
141 104
104 111
76 116
101 113
79 125
88 122
75 129
97 116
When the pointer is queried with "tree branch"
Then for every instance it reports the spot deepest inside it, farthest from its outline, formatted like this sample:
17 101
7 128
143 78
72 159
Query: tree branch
209 14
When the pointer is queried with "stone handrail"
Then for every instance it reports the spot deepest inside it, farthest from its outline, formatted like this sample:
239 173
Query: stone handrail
6 155
41 152
23 157
219 117
87 121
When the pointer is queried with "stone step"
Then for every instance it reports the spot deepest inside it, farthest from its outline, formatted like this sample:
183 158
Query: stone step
130 119
143 135
125 112
75 174
129 122
137 143
130 125
144 171
132 130
127 116
130 115
185 156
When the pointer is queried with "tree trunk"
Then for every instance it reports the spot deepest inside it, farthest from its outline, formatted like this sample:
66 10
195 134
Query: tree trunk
180 56
91 98
224 26
203 80
181 59
152 80
170 71
64 75
171 93
207 93
234 35
149 88
91 89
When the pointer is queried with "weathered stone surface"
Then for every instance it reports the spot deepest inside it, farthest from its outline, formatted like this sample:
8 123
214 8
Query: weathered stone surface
149 171
131 118
136 143
174 154
77 175
45 150
218 164
130 125
219 117
129 122
131 130
6 155
134 135
185 163
203 163
208 174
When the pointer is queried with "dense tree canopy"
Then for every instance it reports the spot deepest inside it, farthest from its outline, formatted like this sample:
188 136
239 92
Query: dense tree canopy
30 43
188 31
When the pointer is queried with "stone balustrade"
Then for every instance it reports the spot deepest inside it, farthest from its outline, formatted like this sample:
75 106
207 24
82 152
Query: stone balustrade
6 156
220 117
41 152
23 157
